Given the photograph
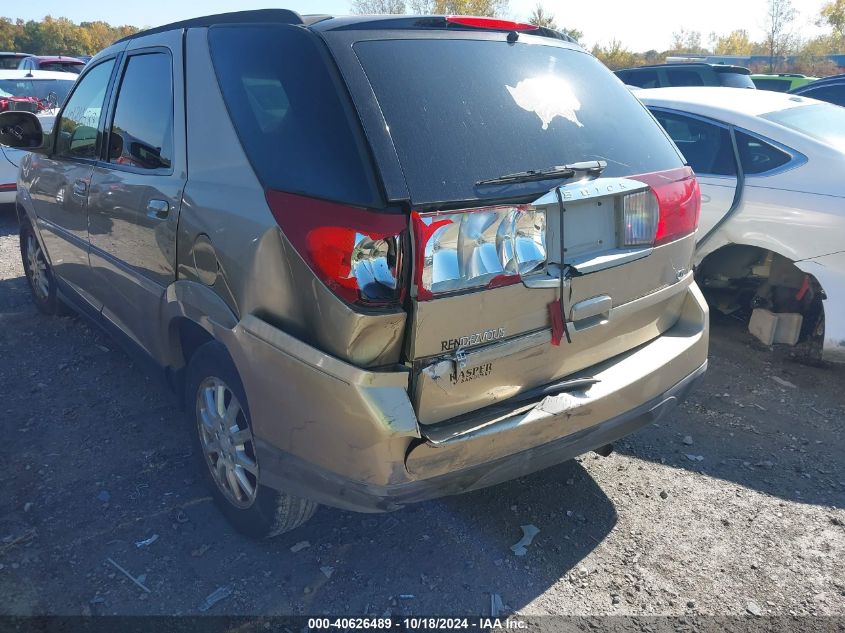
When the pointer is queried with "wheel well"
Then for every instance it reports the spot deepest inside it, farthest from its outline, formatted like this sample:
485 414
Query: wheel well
190 336
738 278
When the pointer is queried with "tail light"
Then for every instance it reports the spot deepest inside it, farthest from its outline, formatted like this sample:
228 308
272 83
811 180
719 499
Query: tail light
356 252
679 199
495 246
477 248
640 216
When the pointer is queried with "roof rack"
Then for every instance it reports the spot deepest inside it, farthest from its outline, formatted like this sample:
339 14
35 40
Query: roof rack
278 16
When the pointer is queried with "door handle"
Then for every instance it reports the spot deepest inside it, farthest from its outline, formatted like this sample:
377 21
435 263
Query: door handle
80 188
591 312
158 209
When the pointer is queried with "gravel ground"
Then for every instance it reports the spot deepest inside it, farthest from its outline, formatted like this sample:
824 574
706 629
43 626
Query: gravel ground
731 506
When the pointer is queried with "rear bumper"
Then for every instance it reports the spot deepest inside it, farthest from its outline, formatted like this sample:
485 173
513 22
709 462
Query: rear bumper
284 471
349 438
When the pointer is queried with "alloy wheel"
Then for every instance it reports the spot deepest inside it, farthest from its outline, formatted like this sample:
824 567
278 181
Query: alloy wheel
37 272
227 442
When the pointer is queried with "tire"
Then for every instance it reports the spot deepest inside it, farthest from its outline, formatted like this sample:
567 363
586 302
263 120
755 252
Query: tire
227 457
39 275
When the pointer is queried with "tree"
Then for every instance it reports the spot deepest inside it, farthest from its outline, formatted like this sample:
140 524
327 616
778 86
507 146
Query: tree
684 41
421 7
833 15
471 7
375 7
614 55
734 43
575 34
541 18
8 31
780 14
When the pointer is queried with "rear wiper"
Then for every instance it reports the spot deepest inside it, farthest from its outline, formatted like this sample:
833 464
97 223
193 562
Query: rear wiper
588 168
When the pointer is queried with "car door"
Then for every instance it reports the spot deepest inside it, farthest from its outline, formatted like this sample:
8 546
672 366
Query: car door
60 190
137 189
708 149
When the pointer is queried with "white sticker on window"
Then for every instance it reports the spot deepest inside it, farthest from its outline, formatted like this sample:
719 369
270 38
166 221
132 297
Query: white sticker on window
547 97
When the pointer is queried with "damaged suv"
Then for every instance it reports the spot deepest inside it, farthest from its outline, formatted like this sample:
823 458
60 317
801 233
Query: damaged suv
384 259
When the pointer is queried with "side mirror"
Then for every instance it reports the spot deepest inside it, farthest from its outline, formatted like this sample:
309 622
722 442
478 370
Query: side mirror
22 130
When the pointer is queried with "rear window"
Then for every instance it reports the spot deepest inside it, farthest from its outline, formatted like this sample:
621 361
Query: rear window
460 111
823 121
684 78
290 114
735 80
775 85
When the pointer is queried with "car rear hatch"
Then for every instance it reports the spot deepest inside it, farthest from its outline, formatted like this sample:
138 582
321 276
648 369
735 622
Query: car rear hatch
516 284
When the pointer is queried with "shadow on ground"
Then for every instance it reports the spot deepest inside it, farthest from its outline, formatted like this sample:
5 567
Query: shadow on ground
759 419
98 457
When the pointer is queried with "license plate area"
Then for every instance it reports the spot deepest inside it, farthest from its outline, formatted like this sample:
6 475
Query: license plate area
592 227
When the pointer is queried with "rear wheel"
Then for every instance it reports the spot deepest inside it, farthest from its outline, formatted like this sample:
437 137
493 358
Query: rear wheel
39 274
217 409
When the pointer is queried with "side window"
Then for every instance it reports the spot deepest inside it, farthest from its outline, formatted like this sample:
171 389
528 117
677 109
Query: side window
831 94
141 133
644 79
707 147
292 120
77 128
757 156
684 78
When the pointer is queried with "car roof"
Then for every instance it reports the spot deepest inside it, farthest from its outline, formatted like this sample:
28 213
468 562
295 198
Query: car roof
37 74
818 83
715 99
13 54
58 58
327 22
721 68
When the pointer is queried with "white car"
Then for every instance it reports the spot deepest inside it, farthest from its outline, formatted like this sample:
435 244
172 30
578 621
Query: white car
772 227
38 91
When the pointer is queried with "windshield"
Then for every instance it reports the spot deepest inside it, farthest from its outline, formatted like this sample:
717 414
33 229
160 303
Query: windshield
42 89
823 121
465 110
65 67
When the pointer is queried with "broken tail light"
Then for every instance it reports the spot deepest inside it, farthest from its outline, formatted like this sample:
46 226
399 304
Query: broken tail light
356 252
477 248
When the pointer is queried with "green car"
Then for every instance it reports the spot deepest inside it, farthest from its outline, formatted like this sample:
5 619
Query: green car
783 82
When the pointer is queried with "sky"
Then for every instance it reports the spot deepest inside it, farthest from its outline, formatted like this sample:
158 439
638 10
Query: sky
639 24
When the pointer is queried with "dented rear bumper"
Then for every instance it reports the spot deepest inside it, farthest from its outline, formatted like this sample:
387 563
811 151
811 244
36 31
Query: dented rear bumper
349 438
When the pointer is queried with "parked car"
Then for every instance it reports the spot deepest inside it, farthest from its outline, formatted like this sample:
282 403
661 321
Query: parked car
686 74
356 268
782 82
42 93
35 91
56 63
772 215
830 89
10 159
10 61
